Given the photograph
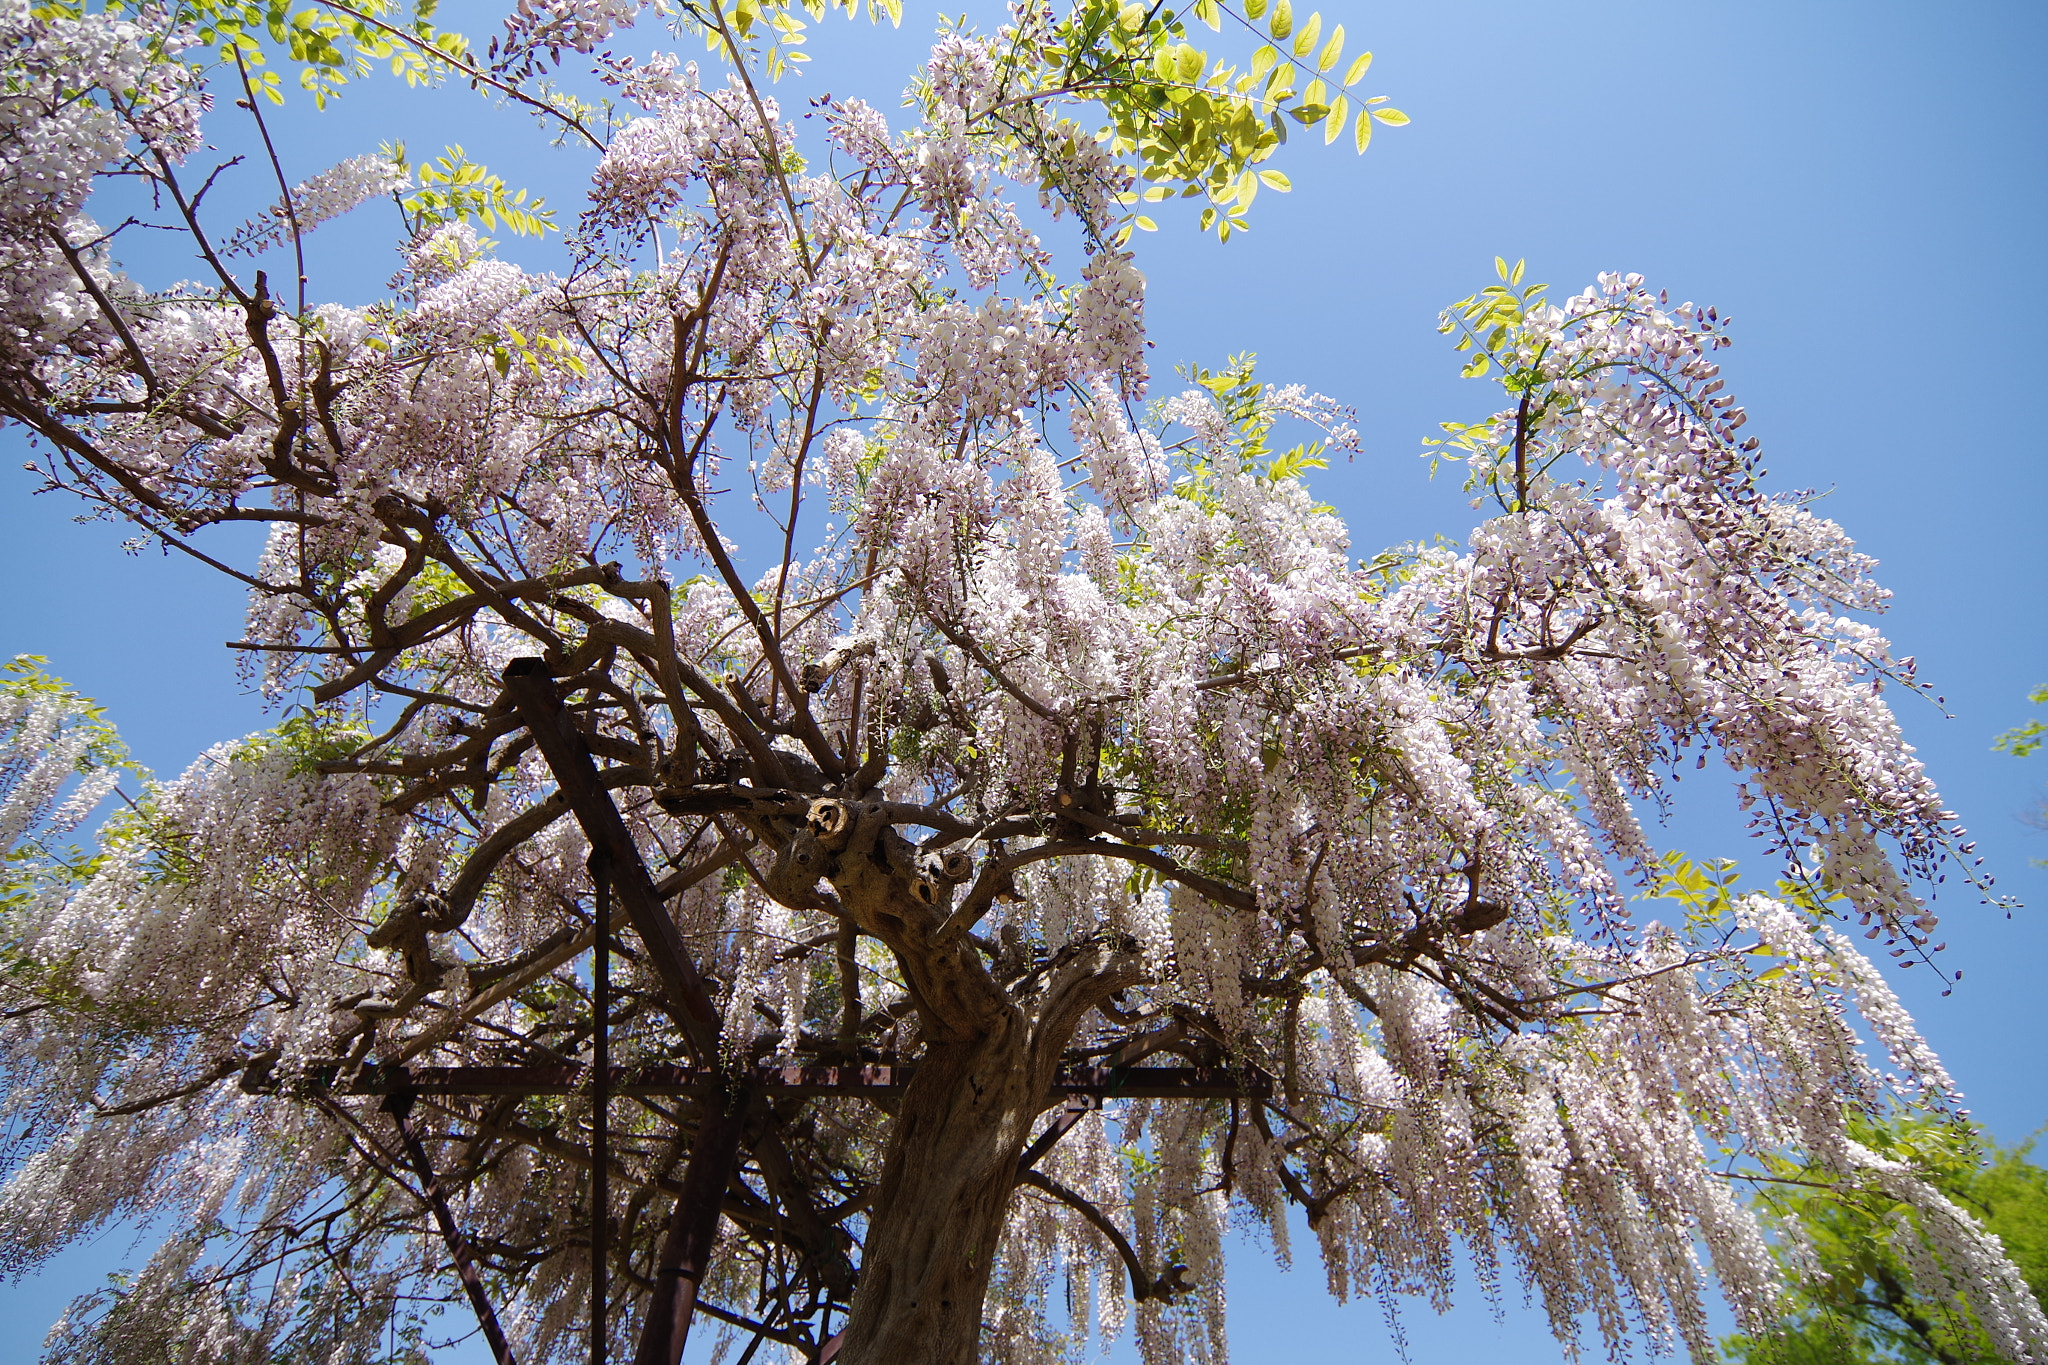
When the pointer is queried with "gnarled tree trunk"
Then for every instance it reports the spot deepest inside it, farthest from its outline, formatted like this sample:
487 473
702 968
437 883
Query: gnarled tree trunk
984 1072
944 1196
951 1172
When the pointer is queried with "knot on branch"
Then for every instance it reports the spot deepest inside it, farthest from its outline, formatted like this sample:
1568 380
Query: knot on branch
793 877
1477 915
933 876
677 772
257 1077
419 914
406 929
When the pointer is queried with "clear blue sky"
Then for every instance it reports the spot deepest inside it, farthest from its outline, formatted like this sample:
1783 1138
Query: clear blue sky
1859 186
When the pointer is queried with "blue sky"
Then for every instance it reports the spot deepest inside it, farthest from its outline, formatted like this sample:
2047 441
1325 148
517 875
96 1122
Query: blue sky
1858 186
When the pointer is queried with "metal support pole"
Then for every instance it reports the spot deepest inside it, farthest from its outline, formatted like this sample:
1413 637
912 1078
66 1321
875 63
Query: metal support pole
600 1108
692 1232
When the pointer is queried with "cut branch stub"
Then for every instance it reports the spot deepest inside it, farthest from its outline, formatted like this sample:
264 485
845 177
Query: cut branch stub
831 823
955 867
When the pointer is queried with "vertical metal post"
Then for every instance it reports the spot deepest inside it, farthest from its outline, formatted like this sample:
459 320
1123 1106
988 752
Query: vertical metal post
600 1109
692 1231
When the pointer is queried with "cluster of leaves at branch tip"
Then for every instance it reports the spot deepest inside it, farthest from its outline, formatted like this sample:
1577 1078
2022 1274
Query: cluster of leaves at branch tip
451 188
1243 400
328 44
2022 740
1202 124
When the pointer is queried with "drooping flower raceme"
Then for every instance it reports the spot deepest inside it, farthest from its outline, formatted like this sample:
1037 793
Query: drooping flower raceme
327 195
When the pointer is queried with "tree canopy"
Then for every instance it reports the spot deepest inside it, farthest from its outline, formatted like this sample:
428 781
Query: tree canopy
1863 1287
809 797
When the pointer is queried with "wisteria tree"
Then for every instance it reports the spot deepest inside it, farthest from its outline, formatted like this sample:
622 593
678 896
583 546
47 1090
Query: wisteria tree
808 801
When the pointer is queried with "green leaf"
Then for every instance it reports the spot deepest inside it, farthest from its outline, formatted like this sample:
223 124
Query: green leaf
1362 134
1253 9
1305 41
1277 180
1283 20
1332 50
1340 109
1263 60
2021 740
2025 739
1358 69
1393 118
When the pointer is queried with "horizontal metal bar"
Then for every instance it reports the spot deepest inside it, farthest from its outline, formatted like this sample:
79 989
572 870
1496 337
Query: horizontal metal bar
1107 1082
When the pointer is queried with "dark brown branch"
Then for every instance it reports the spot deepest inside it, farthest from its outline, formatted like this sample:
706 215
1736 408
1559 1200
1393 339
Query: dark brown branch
216 1074
872 1080
400 1109
417 630
1143 1286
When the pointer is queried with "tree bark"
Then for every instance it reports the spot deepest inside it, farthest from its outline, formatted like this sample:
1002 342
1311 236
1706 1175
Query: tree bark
951 1171
983 1075
944 1196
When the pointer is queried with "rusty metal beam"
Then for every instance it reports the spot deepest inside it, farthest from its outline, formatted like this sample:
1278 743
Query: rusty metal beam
1105 1082
533 691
